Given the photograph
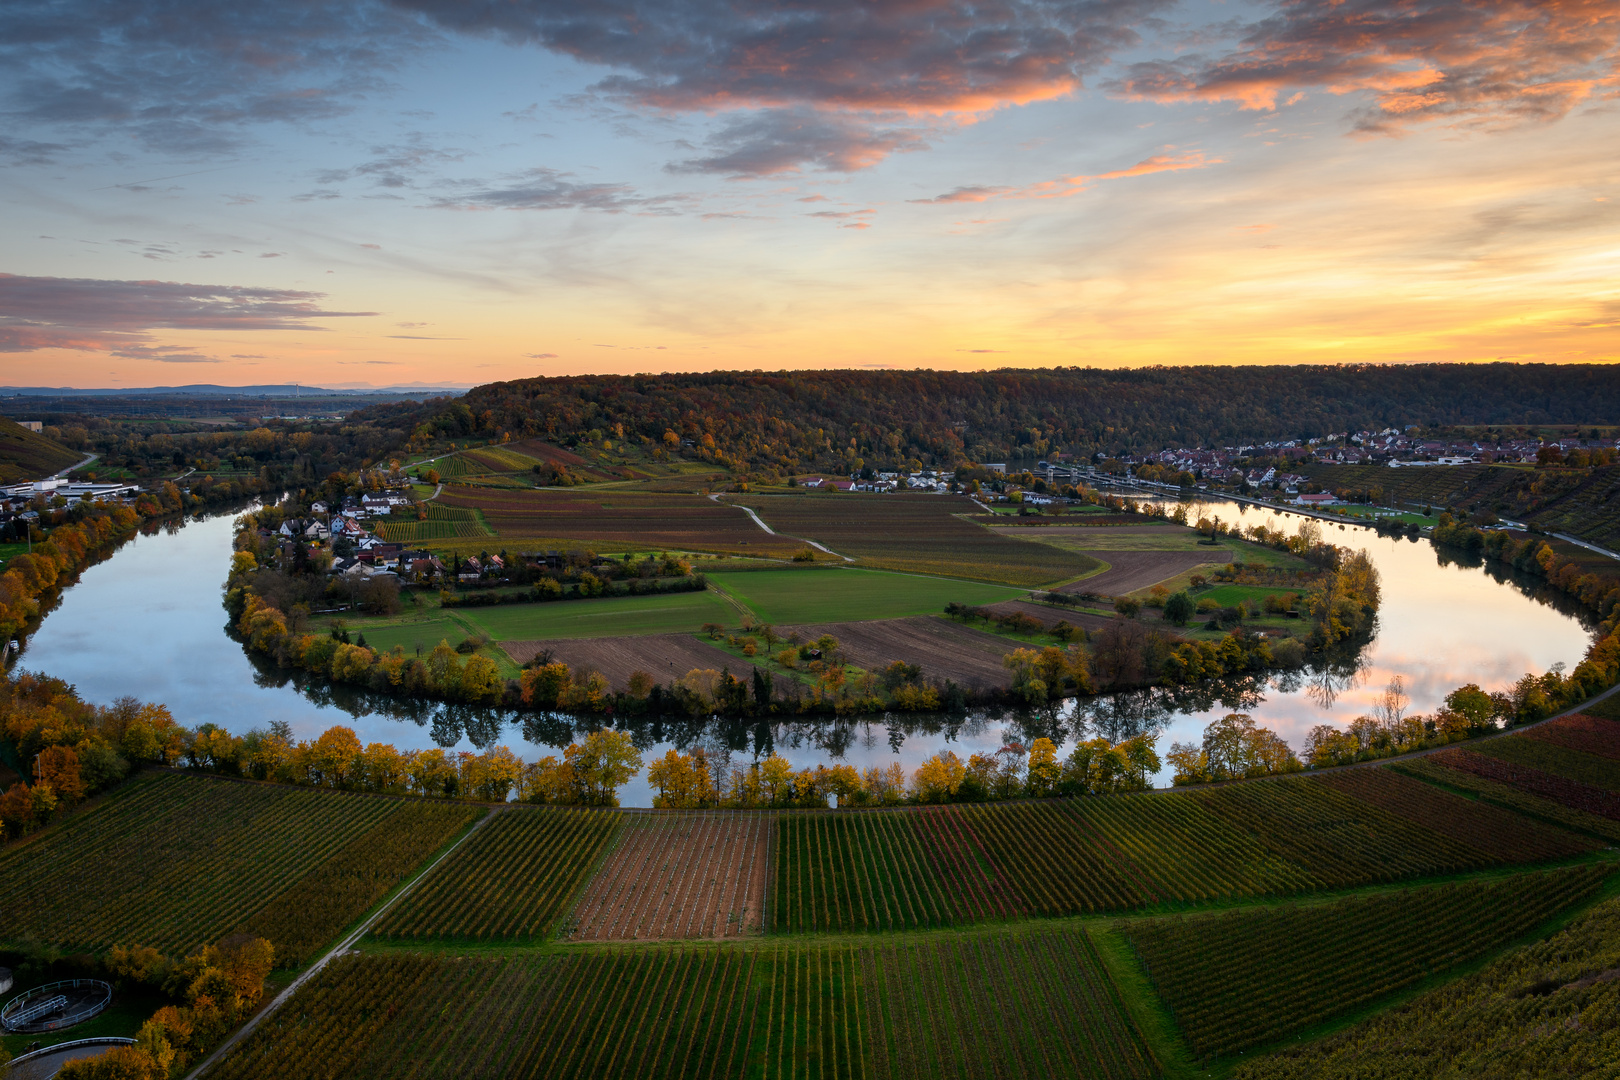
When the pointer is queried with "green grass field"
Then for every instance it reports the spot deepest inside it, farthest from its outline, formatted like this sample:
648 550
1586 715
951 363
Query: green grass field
837 594
620 616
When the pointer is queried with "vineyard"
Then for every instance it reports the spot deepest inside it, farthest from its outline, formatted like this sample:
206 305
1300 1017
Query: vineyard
633 521
511 881
1547 1010
1587 734
679 875
442 523
174 861
919 534
941 866
1245 978
1554 757
306 918
1559 789
1026 1005
1497 793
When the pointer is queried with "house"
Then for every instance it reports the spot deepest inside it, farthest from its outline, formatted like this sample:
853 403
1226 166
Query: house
316 532
1321 498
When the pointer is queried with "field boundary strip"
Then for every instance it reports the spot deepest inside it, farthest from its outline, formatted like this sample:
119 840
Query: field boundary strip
337 950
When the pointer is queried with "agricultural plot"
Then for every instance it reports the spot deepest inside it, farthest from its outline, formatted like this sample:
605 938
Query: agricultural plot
1129 571
1559 789
942 866
920 534
1241 979
941 648
176 861
1553 757
1009 1005
620 521
679 875
1587 734
1165 537
613 616
313 913
442 523
1339 840
1502 835
663 656
845 594
511 882
1496 793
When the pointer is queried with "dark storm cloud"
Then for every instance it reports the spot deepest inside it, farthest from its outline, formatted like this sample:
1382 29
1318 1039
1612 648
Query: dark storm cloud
85 313
1474 62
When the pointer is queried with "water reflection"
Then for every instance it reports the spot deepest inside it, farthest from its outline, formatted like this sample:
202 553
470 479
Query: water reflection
149 623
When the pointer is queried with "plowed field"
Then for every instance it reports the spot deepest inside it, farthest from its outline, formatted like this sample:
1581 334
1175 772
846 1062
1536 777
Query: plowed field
1131 570
663 656
679 875
941 648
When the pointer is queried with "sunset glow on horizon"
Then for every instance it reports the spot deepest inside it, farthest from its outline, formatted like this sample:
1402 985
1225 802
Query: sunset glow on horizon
447 194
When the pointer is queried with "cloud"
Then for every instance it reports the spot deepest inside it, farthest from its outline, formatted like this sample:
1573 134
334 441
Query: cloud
775 141
190 79
875 73
543 355
548 189
1073 185
107 316
1468 62
973 194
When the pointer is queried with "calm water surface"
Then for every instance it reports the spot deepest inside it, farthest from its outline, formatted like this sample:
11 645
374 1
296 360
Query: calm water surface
148 623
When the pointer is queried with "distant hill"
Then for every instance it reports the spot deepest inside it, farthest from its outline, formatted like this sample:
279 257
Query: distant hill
276 390
27 456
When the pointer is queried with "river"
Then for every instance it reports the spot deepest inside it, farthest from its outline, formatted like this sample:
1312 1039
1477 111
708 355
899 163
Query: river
148 623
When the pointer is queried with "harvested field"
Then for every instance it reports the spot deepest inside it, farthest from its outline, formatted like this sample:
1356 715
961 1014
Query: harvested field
679 875
620 521
1131 570
1120 538
921 534
942 649
663 656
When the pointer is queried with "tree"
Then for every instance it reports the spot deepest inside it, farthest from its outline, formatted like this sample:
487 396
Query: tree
938 778
1179 608
602 763
58 767
1043 769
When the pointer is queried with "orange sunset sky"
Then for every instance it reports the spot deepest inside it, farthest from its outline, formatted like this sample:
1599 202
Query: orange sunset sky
438 193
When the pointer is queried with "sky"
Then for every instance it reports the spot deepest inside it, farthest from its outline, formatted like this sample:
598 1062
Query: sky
453 192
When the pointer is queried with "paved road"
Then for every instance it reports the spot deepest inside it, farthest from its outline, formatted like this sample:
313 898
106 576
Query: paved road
1588 547
337 950
88 458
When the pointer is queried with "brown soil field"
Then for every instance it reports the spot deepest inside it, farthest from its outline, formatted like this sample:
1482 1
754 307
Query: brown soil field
943 649
1082 528
544 451
1132 570
679 874
1051 616
614 520
663 656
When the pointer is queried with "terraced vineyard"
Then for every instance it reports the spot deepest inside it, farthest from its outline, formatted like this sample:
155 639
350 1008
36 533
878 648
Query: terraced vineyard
512 881
1026 1005
1241 979
679 875
940 866
1556 758
175 861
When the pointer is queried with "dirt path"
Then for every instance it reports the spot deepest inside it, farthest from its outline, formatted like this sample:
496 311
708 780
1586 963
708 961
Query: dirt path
761 523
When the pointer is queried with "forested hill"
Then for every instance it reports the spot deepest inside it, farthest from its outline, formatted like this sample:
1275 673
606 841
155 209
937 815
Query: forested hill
27 456
804 419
